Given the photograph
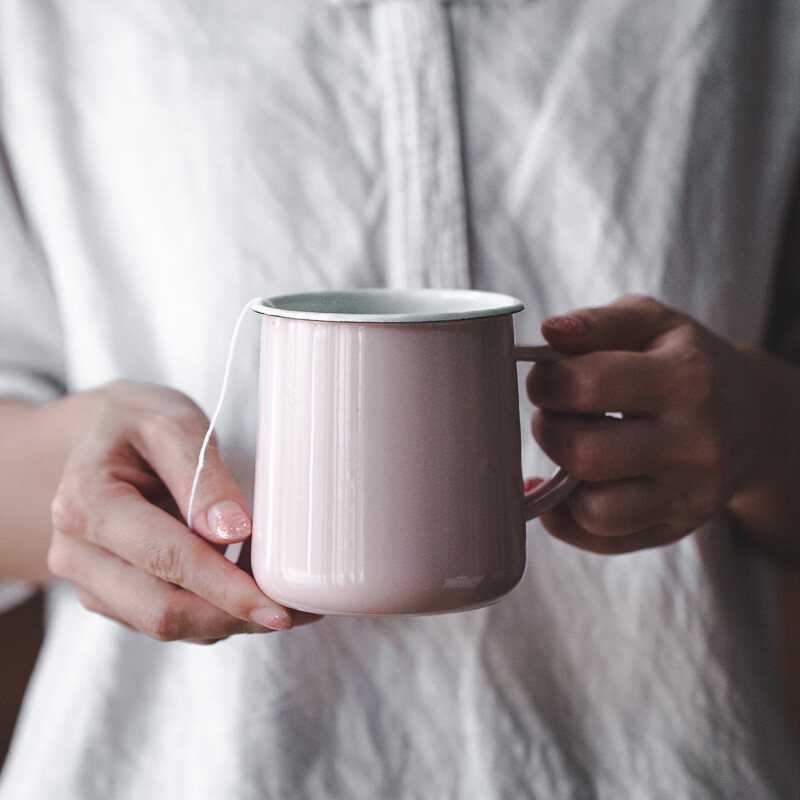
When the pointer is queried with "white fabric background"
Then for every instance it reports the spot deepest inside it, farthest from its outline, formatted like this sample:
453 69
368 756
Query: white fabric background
169 160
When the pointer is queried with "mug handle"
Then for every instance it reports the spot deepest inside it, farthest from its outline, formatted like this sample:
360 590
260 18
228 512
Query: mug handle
560 484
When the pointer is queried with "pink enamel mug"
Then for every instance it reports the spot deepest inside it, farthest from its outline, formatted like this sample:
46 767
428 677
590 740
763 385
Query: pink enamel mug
388 474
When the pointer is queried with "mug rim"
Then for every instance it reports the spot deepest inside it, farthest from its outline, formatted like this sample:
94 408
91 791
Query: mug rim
389 305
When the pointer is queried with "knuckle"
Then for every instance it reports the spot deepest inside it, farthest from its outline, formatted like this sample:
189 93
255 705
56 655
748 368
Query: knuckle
707 453
90 602
534 386
698 504
647 307
66 511
584 459
120 388
179 426
692 366
640 302
59 558
164 622
697 379
174 416
165 561
168 423
580 388
591 512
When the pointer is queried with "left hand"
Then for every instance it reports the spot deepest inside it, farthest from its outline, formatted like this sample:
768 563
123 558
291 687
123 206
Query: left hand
688 435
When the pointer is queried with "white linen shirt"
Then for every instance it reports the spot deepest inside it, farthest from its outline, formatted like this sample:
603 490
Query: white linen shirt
165 160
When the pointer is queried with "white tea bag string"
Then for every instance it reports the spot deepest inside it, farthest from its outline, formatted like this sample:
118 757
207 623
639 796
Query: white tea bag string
215 416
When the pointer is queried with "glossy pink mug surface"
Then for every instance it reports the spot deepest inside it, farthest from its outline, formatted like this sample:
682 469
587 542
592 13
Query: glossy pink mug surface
388 477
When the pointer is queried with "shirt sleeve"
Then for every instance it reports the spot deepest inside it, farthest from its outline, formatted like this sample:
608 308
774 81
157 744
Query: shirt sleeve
31 351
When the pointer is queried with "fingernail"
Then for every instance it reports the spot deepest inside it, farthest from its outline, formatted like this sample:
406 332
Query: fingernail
565 324
272 619
228 521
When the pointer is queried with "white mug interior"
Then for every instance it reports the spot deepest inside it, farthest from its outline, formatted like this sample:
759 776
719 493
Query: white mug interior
391 305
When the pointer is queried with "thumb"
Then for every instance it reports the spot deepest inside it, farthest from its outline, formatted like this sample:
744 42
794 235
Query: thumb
631 323
212 505
215 507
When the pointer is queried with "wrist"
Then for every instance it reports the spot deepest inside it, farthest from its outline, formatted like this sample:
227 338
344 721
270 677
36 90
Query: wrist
766 502
37 440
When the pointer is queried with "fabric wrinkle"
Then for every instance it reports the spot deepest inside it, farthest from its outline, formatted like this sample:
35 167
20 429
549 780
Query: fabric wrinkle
174 159
426 206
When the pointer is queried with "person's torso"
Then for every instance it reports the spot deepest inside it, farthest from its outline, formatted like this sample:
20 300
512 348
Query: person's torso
175 159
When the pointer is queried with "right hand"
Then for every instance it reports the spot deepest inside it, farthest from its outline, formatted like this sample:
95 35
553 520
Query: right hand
118 529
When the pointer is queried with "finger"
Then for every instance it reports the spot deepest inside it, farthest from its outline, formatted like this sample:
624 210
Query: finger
299 618
620 508
605 448
143 535
110 586
94 604
97 606
595 383
170 443
560 524
630 323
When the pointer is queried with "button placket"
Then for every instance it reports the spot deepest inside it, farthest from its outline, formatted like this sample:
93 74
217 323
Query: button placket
426 208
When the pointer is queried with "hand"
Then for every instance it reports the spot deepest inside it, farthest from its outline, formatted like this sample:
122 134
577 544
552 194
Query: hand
687 439
118 530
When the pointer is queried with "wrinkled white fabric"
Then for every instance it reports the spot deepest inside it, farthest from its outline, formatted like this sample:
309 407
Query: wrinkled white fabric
165 160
